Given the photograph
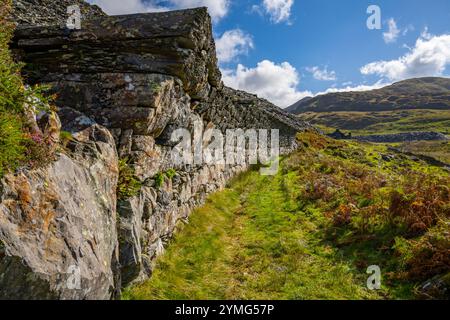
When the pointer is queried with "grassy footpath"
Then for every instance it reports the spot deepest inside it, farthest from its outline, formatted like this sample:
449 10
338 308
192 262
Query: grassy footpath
252 242
311 231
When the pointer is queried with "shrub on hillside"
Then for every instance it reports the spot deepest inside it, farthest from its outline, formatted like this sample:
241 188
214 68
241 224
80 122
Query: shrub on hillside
19 143
11 99
365 197
422 202
12 148
128 185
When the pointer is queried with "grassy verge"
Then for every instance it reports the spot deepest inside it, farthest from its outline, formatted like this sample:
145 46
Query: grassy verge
198 263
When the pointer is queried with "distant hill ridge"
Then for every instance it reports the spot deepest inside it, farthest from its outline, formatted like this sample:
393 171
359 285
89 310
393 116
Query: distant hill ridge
419 93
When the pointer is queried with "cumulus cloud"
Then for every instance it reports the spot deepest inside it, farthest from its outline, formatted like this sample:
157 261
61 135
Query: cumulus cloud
115 7
429 57
232 44
278 10
393 33
322 74
274 82
347 87
217 8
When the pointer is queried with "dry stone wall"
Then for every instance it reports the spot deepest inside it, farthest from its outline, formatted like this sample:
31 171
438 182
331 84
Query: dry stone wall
138 78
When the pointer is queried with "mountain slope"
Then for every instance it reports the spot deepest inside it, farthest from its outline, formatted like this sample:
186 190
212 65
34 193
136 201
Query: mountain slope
420 93
294 107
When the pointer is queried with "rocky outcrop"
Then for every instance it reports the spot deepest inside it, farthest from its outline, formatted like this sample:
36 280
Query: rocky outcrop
58 224
50 12
134 80
177 43
437 288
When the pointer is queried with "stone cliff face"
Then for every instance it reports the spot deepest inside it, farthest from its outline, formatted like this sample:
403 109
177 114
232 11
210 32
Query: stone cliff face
50 12
124 84
62 217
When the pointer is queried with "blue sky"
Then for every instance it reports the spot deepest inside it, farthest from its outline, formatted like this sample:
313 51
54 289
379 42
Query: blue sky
284 50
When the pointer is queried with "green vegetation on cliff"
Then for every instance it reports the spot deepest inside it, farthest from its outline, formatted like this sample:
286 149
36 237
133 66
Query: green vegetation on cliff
12 146
19 144
311 231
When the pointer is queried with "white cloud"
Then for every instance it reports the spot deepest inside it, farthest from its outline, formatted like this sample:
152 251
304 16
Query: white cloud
425 34
115 7
322 74
278 10
362 87
217 8
408 29
232 44
274 82
429 57
393 33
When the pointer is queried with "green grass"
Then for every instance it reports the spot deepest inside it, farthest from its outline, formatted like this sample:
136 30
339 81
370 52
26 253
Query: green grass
128 184
12 147
18 146
288 237
365 123
251 242
282 255
389 122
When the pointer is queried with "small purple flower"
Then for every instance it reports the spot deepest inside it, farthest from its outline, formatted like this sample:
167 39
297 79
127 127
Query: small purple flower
37 138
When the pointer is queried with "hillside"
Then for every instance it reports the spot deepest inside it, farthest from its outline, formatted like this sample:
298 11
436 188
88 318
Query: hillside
421 93
311 231
364 123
